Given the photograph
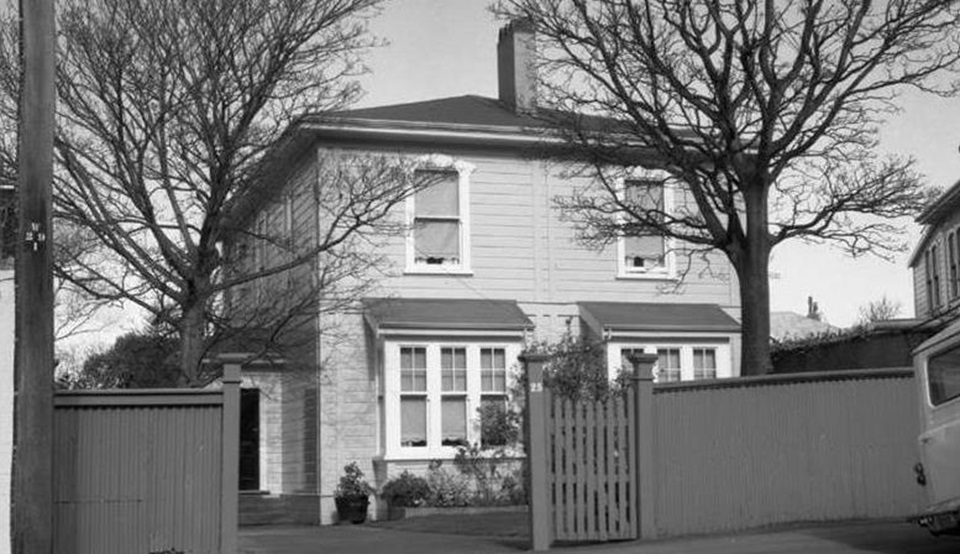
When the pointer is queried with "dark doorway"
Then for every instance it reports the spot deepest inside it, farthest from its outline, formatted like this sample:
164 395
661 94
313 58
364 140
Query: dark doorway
249 439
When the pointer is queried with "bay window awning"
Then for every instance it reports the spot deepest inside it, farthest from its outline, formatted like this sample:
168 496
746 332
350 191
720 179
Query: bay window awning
613 318
413 315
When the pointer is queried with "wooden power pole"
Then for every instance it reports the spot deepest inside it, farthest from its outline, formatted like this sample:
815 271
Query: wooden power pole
32 494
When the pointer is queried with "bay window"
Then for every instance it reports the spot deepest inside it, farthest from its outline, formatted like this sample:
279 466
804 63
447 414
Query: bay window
684 360
432 392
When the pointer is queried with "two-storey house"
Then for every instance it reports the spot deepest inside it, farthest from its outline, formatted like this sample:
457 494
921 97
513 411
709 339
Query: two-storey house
936 259
486 265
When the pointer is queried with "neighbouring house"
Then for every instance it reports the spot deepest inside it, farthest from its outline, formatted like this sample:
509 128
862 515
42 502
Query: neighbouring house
936 260
486 265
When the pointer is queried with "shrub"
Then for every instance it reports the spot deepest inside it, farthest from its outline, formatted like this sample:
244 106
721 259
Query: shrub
407 490
499 425
447 489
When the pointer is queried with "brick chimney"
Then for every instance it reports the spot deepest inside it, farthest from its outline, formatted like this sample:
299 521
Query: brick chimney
516 66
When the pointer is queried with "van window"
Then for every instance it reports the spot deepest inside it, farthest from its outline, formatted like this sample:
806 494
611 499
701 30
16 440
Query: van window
943 375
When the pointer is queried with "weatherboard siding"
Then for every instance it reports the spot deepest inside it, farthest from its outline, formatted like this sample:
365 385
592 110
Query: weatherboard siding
521 249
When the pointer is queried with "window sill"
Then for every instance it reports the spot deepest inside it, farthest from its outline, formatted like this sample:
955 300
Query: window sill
438 270
444 453
646 276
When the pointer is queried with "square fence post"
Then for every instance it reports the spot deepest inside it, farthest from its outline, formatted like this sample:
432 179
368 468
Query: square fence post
644 469
230 456
535 439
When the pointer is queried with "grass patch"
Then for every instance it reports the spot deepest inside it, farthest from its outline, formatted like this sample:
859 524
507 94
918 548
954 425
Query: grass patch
501 524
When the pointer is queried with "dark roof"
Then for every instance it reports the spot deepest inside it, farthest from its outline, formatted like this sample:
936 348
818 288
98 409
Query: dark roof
943 206
624 316
445 313
471 111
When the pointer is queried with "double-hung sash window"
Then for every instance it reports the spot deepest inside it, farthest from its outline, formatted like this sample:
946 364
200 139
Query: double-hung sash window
648 194
668 365
437 225
453 403
413 396
645 253
493 389
439 218
704 363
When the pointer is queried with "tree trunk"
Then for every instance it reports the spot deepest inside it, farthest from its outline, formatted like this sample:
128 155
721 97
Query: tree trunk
752 266
191 344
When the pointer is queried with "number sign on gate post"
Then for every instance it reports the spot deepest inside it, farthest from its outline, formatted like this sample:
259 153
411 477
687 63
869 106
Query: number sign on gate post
535 438
643 470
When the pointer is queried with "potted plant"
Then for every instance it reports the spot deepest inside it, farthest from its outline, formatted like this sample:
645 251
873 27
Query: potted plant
352 495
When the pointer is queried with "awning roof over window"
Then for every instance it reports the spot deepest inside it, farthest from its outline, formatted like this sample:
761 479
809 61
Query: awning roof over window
438 314
654 317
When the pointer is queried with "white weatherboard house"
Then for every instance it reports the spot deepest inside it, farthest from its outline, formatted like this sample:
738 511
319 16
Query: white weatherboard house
487 266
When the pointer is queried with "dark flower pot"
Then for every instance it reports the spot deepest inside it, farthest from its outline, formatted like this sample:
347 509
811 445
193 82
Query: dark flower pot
352 508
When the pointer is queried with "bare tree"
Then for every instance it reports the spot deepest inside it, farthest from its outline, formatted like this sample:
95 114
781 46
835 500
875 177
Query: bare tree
764 112
884 309
166 111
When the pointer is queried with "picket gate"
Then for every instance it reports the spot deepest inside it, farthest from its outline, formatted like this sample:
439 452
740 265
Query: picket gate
589 455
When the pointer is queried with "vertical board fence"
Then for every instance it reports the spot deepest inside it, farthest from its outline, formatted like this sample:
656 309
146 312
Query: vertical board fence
720 455
146 471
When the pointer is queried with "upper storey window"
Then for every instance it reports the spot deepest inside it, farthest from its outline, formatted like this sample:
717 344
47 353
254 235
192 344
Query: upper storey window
437 224
647 256
643 254
439 237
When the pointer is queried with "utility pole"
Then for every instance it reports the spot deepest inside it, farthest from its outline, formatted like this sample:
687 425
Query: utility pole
32 494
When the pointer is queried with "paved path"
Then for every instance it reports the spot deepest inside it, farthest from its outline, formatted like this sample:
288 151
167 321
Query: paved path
859 537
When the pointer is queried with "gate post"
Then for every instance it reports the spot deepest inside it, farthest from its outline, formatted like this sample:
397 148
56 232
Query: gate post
535 439
230 456
643 471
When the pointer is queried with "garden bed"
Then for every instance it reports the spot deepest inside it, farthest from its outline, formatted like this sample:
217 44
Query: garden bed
508 525
406 513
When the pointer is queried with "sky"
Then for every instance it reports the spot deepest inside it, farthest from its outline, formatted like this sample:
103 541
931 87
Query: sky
440 48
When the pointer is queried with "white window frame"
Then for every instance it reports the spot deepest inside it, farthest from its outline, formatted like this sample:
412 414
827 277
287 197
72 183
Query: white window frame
669 268
464 169
391 425
686 347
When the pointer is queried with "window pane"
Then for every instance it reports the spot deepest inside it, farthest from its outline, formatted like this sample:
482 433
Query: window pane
413 369
436 241
453 420
643 252
493 370
704 363
453 369
413 421
440 199
943 372
494 427
668 364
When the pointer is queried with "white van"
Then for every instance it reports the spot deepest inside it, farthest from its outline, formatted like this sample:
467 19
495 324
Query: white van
937 366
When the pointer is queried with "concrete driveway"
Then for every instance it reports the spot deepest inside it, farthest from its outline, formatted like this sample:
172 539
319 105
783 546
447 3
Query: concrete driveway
885 537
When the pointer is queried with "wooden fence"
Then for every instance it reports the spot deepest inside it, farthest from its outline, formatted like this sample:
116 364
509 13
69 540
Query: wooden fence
147 471
721 455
